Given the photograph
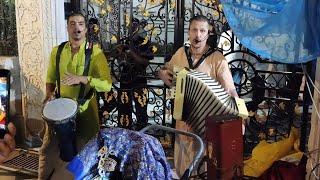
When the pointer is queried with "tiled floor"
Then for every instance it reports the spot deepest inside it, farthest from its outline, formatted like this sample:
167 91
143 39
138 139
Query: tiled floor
10 175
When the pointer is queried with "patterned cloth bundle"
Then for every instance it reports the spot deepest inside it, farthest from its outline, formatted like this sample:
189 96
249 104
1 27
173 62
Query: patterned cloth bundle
118 153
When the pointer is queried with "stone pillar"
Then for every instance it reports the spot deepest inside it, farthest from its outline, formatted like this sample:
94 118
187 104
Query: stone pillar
37 32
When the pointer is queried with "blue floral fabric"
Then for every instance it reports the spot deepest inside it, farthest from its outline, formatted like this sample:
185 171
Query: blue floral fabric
281 30
137 156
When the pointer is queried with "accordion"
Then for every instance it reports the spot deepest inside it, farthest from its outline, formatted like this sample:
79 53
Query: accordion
198 96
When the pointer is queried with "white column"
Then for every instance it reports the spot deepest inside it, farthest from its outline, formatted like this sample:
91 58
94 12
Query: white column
39 28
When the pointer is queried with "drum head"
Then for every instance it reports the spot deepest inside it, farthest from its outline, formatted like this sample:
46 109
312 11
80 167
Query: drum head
60 109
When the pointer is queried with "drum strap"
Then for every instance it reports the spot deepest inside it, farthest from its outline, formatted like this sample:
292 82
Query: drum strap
57 93
82 98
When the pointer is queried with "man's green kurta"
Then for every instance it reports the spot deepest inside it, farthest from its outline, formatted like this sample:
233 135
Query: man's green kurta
99 78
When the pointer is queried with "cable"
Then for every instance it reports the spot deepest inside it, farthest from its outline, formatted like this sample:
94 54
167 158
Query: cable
314 105
315 87
313 171
317 112
311 81
311 97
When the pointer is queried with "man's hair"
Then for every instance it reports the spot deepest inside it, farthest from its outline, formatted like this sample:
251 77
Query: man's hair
199 18
76 13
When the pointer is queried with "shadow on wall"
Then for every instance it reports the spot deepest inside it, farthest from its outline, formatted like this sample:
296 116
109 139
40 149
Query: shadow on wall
25 128
12 63
32 123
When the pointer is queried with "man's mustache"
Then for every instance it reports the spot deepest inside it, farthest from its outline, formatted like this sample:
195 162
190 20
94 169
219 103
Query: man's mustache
201 39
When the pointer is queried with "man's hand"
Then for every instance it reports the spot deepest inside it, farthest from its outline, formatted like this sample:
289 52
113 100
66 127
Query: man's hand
166 75
7 144
71 79
48 98
49 92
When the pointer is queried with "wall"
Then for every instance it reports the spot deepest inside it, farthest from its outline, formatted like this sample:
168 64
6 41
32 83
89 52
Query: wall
39 28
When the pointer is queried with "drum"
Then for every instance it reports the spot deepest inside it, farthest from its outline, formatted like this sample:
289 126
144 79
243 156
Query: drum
61 114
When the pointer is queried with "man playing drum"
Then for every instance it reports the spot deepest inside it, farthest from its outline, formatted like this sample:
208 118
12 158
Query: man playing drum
71 68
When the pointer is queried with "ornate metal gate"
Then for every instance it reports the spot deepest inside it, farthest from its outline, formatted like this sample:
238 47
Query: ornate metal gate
165 24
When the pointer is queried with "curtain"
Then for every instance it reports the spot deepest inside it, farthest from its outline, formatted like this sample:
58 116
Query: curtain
286 31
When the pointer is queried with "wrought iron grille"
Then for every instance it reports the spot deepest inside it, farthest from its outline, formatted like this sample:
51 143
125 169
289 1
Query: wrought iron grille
162 27
8 33
115 22
166 25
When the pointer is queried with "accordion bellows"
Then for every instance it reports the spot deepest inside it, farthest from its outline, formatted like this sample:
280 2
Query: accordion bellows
198 96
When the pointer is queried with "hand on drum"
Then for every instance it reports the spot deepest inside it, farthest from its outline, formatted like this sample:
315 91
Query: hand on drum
47 99
71 79
7 144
